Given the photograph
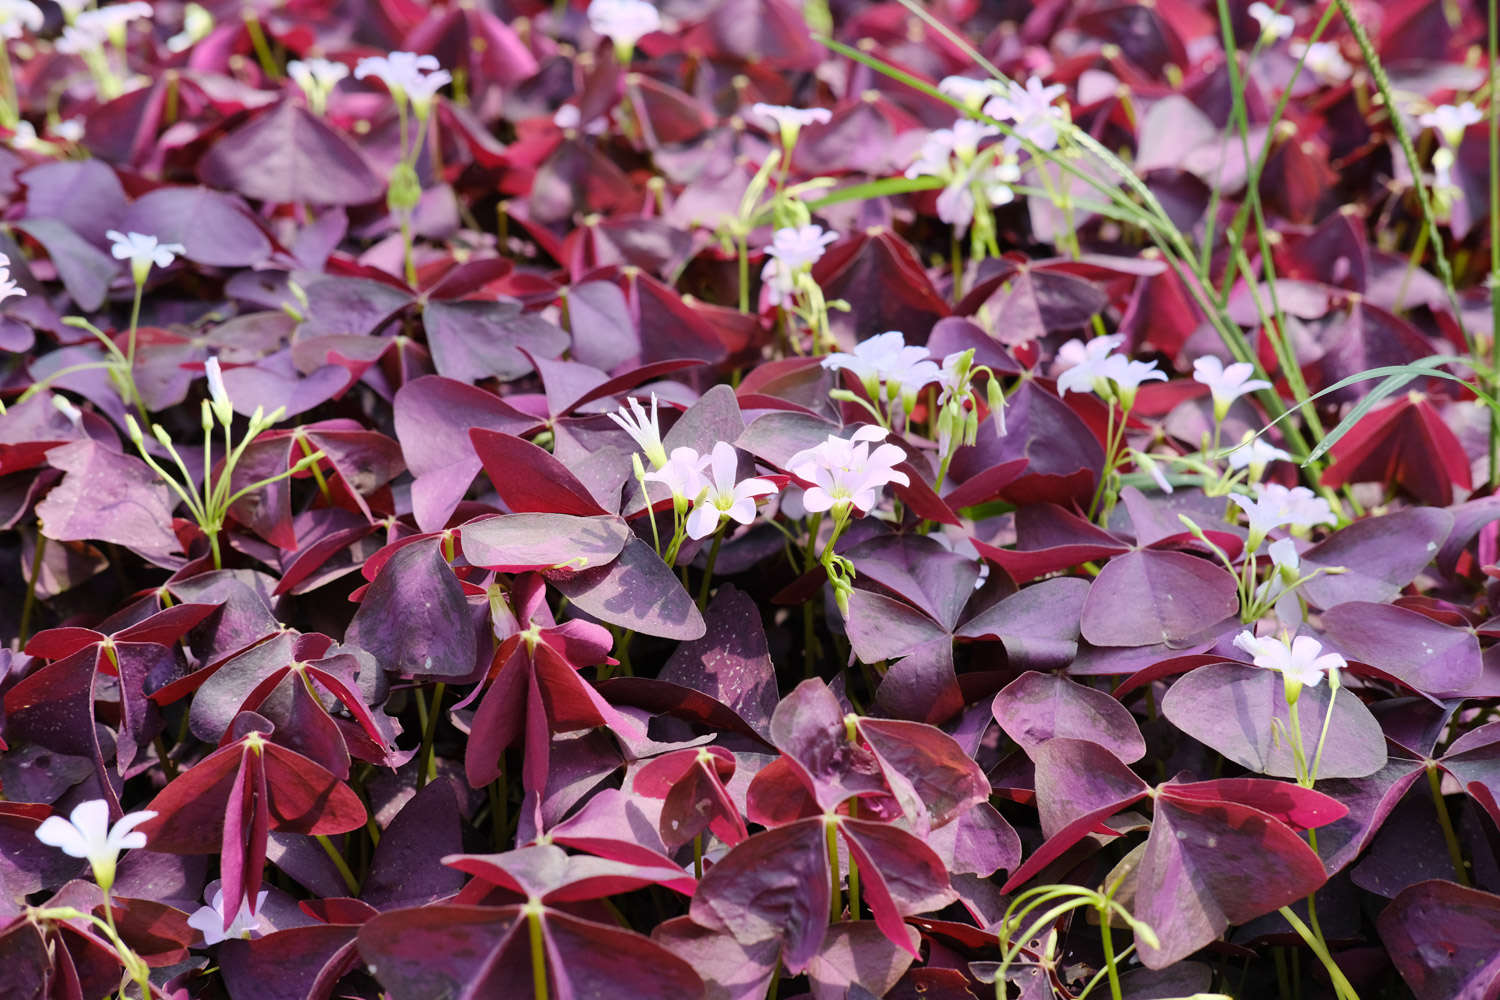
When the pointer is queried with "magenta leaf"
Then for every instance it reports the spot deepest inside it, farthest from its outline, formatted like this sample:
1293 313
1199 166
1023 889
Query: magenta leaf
1144 597
414 618
1441 937
773 886
1209 864
1241 712
1379 556
560 544
637 591
110 497
290 155
1433 658
1035 708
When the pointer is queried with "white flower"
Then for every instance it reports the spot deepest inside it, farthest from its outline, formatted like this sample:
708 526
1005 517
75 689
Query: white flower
846 473
1030 107
1272 25
887 360
317 78
1256 455
1226 384
644 430
69 130
623 22
793 251
197 24
1451 121
1300 661
1090 365
142 251
968 91
19 15
1323 58
222 407
988 177
8 287
76 40
63 405
86 833
403 75
1276 506
781 118
682 474
112 19
209 920
725 497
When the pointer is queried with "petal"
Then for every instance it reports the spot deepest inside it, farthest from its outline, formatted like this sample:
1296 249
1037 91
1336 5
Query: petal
724 462
703 521
92 820
742 510
59 833
816 500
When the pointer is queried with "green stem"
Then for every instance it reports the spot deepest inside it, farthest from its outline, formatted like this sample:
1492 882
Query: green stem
1413 261
29 605
1445 821
744 258
1107 941
350 882
835 896
429 732
538 952
1494 178
698 856
708 568
1429 218
1341 984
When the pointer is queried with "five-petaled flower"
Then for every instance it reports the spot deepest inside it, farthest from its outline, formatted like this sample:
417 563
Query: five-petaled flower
316 78
623 22
1300 662
845 472
87 833
788 121
1093 365
682 474
210 920
792 252
1030 107
1451 121
1273 26
1226 383
142 251
725 497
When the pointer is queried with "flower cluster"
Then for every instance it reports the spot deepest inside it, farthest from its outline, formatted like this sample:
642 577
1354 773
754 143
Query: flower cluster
889 368
709 484
408 76
8 286
845 474
1093 366
1277 506
1032 110
975 183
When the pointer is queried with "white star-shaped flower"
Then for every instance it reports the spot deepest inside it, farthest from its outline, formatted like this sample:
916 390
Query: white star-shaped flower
87 833
644 429
143 252
725 497
1273 26
209 920
1226 384
623 22
1302 661
1030 107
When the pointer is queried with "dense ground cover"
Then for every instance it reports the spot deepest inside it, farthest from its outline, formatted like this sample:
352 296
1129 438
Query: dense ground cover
743 498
